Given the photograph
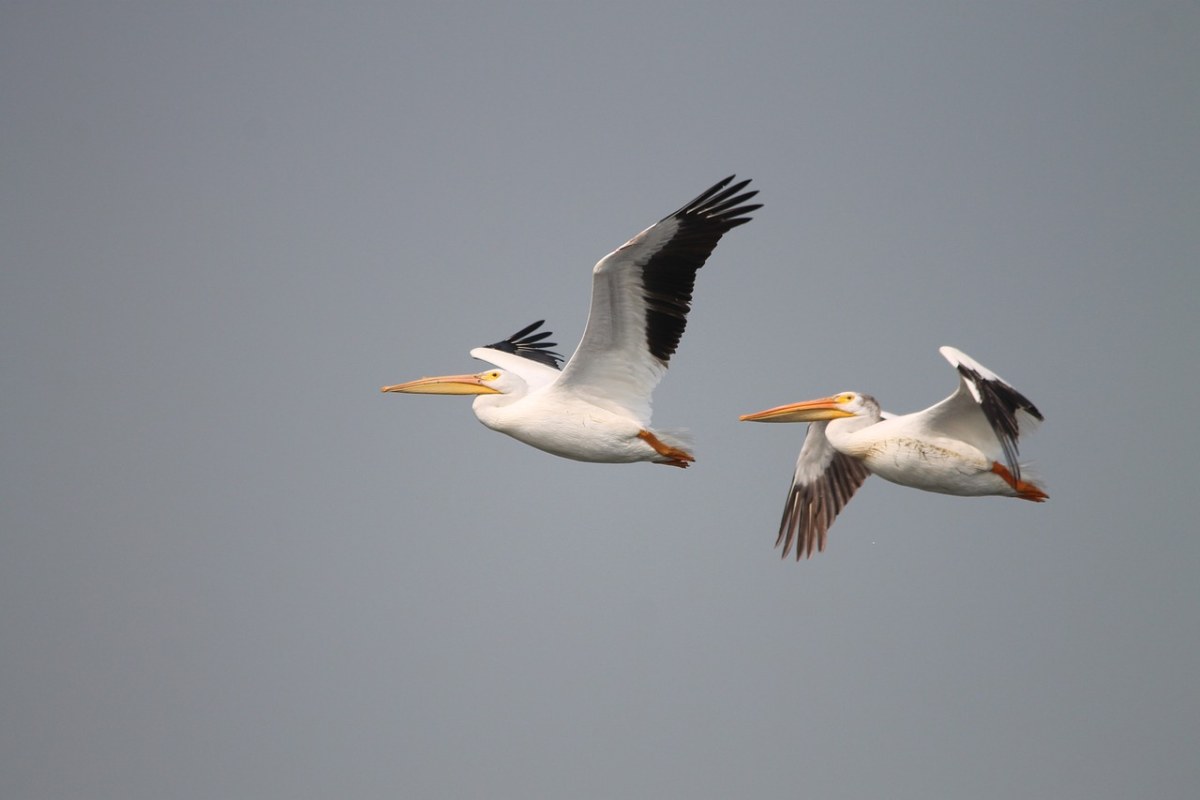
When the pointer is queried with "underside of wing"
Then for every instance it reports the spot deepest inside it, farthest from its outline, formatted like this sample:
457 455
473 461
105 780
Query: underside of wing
824 481
641 295
985 411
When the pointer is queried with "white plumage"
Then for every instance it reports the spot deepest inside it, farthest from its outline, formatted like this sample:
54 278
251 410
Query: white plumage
597 408
964 445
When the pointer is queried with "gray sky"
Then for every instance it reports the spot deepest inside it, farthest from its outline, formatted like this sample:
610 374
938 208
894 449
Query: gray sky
231 568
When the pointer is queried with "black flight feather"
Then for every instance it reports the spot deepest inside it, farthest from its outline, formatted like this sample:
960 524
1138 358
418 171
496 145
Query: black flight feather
670 274
529 346
1000 404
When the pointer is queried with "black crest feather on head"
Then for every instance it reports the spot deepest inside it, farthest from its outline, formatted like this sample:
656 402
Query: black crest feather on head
525 345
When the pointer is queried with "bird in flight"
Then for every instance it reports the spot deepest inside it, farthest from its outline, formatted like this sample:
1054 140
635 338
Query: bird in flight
964 445
597 406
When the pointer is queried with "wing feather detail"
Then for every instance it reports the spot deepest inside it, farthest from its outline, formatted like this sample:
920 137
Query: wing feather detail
527 344
1007 412
526 355
641 295
822 485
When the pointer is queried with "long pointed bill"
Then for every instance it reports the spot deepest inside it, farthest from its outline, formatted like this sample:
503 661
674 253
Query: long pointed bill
808 411
447 384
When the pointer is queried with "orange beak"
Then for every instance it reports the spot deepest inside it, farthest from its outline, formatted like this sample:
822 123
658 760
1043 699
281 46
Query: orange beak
446 384
808 411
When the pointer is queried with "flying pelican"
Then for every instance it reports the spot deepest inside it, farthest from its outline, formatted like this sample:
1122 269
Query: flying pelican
597 407
964 445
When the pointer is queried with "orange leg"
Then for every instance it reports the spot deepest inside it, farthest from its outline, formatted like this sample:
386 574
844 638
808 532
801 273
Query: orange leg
1025 490
675 456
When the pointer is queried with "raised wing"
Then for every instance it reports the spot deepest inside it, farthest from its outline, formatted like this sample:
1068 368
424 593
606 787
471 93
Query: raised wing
824 481
985 410
525 354
527 344
641 294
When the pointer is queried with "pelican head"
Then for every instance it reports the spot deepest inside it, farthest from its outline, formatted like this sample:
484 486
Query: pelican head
839 406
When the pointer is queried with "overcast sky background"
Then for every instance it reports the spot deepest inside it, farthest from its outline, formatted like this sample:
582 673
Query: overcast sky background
231 568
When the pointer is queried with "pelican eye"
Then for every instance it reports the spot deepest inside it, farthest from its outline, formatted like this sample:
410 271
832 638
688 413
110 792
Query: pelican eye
845 398
490 376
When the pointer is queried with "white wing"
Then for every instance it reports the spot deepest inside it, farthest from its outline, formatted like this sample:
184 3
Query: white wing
526 355
985 411
641 294
824 481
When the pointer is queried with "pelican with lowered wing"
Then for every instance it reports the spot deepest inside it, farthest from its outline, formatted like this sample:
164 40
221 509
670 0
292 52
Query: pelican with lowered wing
964 445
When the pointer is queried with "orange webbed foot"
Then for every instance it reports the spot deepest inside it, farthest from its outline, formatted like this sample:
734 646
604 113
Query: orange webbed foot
673 455
1024 489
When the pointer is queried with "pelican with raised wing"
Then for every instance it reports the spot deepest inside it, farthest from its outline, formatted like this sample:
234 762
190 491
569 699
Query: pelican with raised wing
597 407
964 445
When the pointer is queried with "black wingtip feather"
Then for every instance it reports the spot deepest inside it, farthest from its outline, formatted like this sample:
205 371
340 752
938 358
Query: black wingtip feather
529 346
670 275
1000 404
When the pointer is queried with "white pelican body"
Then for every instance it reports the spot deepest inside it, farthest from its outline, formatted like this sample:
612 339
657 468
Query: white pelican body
964 445
551 417
569 427
597 407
